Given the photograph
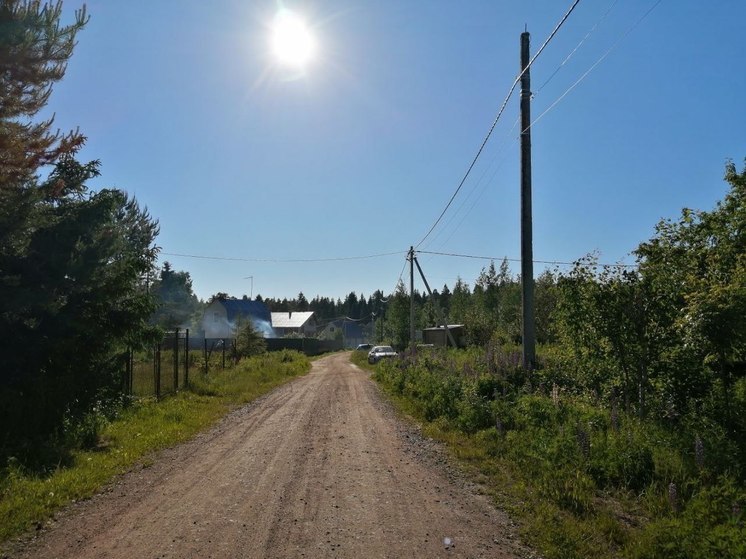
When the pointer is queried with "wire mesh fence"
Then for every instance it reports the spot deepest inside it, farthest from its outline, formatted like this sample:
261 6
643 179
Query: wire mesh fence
161 369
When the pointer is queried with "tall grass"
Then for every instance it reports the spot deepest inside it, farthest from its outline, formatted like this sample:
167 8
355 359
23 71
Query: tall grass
29 494
585 480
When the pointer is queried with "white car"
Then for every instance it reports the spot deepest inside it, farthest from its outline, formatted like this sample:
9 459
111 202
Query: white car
380 352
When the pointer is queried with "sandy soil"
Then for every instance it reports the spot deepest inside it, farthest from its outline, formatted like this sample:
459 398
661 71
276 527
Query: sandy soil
320 467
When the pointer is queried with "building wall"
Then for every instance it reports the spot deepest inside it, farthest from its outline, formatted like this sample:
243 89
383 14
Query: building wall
215 322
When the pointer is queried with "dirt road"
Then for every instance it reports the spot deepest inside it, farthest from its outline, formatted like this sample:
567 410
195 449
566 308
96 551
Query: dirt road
318 468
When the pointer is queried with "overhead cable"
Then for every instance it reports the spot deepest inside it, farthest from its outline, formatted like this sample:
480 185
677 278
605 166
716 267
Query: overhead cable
282 260
555 262
569 56
603 57
497 118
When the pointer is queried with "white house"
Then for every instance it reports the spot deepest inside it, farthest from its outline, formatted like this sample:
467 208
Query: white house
300 323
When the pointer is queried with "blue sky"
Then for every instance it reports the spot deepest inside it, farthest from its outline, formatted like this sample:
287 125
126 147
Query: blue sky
357 154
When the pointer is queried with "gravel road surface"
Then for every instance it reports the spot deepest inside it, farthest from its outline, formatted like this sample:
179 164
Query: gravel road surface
321 467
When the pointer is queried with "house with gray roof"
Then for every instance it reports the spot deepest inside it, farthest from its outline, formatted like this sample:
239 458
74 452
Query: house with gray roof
294 323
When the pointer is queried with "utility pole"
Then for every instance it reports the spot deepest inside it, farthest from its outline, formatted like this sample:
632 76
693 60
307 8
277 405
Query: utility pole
527 250
411 300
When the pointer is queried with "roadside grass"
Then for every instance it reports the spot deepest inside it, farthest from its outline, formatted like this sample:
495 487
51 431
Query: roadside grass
29 497
580 481
360 358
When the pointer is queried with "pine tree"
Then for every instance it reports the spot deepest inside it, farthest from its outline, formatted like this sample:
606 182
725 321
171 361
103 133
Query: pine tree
34 50
72 262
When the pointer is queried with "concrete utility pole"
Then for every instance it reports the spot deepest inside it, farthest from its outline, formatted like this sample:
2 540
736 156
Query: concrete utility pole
527 250
411 300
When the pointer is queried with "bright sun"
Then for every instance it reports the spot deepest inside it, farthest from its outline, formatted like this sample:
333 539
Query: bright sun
292 42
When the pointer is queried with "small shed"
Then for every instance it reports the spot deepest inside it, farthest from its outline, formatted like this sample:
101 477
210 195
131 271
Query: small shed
438 337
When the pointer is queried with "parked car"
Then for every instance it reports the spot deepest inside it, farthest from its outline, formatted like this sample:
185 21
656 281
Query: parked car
381 352
364 347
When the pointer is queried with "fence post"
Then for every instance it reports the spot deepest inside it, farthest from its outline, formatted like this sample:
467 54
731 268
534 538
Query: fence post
158 372
223 353
205 355
131 359
176 360
126 373
186 358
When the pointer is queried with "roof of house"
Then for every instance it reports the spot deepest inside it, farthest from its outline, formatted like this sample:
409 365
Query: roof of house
241 307
290 319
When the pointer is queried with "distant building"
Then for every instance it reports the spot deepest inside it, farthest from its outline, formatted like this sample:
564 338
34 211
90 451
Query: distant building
352 333
298 323
222 315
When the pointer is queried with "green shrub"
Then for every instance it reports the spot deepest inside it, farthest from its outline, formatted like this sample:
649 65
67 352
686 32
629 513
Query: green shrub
622 460
710 526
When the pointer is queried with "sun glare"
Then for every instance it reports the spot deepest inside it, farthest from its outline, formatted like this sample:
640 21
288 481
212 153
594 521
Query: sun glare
292 42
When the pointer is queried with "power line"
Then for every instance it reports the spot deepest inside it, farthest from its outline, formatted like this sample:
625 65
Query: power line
599 61
497 118
554 262
569 56
281 260
478 188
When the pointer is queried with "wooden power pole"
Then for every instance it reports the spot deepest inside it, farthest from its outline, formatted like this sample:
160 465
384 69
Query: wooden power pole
527 250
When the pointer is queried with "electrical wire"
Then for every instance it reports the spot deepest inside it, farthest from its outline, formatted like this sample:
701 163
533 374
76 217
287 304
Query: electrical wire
479 188
404 267
554 262
284 261
497 118
569 56
595 64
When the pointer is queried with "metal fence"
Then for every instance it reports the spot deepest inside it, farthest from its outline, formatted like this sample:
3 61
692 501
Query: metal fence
161 369
164 368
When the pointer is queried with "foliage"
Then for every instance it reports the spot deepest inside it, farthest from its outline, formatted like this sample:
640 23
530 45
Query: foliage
71 260
248 340
595 481
397 318
72 301
176 302
34 50
670 337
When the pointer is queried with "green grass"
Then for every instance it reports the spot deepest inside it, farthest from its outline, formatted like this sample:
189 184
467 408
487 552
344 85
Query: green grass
28 498
579 484
360 358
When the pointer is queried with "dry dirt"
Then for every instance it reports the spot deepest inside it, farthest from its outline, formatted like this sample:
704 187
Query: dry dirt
321 467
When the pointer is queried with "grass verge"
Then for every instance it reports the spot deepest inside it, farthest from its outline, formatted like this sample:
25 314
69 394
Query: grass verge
28 498
581 482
